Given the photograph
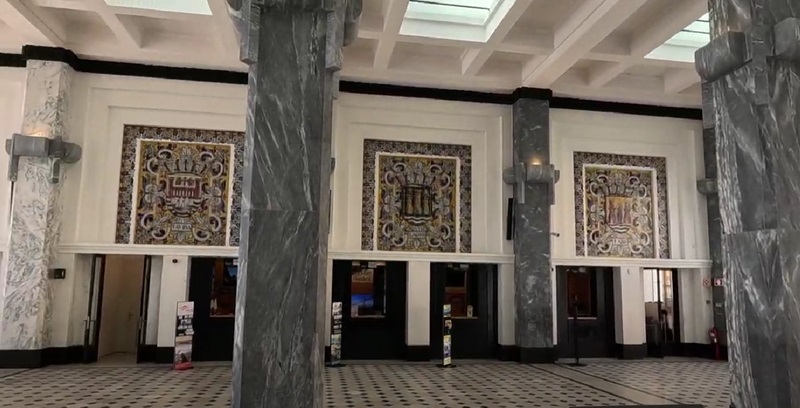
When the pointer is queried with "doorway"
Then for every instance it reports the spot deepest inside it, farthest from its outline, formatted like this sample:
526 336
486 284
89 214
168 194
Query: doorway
585 310
116 322
662 314
373 296
470 290
212 288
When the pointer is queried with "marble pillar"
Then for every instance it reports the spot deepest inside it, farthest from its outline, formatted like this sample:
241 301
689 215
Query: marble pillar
35 217
533 302
293 49
753 65
709 190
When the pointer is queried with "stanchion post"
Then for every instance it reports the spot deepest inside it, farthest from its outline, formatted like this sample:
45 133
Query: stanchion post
575 336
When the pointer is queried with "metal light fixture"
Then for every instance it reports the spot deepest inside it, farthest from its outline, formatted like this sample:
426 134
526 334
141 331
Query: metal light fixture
524 173
56 149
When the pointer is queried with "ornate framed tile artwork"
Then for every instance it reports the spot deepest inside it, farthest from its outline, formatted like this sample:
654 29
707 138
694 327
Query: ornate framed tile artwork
180 207
621 206
417 197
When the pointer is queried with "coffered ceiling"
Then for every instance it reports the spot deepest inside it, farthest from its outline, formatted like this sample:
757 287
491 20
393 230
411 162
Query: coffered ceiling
616 50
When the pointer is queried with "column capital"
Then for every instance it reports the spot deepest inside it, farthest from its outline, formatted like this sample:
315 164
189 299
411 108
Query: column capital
246 18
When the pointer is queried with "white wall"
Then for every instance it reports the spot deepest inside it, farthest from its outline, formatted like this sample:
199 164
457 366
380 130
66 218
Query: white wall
418 302
696 307
677 140
174 289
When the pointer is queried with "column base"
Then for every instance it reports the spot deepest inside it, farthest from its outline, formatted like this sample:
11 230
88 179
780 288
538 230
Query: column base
631 351
41 358
418 353
537 355
507 352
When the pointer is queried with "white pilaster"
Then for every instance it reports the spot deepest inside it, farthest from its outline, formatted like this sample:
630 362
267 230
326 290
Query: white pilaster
174 289
418 304
629 306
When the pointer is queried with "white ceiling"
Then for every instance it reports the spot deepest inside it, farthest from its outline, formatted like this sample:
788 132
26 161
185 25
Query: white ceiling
593 49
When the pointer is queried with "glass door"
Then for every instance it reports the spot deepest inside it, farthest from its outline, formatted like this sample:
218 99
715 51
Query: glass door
91 333
144 300
660 312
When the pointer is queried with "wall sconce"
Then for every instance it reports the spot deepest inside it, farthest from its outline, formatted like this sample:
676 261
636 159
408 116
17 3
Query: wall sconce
707 186
531 174
56 149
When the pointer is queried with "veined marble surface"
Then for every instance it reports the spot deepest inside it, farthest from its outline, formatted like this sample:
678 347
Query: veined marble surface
280 300
754 97
533 294
36 215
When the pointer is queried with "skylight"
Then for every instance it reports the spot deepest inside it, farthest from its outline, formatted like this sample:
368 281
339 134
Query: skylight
681 46
473 12
172 6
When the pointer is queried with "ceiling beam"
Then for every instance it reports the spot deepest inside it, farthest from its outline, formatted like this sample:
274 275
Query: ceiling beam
678 80
394 11
679 16
584 29
126 31
32 23
473 59
226 39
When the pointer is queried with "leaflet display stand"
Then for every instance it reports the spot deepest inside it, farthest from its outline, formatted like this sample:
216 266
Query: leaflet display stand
447 339
336 335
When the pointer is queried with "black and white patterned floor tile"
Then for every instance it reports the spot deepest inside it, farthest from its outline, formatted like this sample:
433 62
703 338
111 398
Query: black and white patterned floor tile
495 385
683 381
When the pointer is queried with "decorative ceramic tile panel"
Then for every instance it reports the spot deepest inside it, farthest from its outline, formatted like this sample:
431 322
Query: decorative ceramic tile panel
182 196
385 164
620 206
417 198
133 134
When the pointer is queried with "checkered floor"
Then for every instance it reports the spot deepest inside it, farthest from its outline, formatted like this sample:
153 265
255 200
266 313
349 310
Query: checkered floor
683 381
495 385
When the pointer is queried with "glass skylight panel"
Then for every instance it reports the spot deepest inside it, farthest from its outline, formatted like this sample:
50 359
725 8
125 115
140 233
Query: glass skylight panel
472 12
681 46
172 6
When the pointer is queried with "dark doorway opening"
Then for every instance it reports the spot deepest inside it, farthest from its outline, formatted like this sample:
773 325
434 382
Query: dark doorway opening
373 296
471 292
212 288
662 312
585 297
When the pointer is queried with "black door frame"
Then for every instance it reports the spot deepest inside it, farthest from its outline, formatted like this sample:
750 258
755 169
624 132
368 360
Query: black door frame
356 344
603 286
91 338
485 325
144 303
213 336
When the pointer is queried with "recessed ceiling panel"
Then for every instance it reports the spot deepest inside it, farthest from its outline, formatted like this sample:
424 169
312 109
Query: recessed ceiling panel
173 6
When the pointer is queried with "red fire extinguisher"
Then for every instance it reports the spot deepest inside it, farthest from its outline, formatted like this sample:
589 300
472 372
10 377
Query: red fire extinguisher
713 336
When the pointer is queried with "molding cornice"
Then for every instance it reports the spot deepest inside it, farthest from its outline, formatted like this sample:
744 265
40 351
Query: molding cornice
33 52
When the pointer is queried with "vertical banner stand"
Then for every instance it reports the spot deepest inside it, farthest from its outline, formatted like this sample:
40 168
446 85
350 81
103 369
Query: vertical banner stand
575 337
447 326
182 359
336 335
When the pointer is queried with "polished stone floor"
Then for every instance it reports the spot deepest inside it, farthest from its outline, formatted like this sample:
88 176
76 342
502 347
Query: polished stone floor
495 385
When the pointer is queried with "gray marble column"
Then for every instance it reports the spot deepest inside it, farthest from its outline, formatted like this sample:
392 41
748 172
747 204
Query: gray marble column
35 218
708 187
753 64
293 49
532 284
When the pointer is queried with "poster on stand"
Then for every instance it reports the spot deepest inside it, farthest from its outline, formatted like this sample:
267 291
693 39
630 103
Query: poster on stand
336 334
447 323
184 331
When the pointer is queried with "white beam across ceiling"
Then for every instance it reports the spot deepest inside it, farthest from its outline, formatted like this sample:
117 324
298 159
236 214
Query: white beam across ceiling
394 11
227 40
473 59
593 21
681 14
678 80
32 23
126 31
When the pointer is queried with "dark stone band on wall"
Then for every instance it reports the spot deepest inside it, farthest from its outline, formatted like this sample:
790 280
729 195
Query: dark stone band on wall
631 351
537 355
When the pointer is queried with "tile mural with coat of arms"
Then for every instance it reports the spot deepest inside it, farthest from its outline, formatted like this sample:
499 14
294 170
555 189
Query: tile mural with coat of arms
182 193
620 206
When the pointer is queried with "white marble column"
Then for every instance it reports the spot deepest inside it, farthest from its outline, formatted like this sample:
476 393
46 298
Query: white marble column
35 217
